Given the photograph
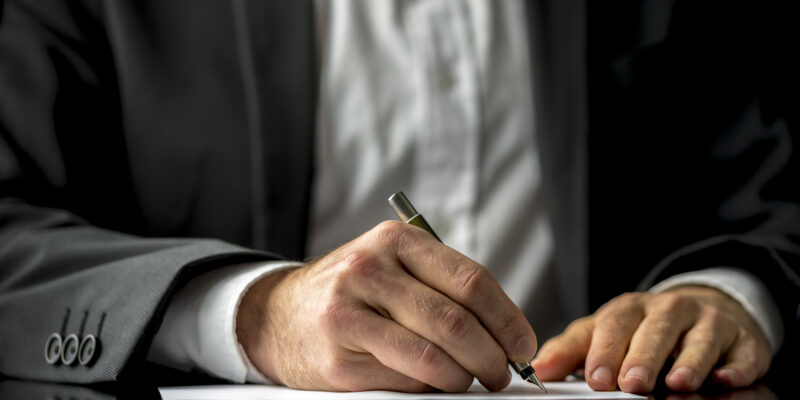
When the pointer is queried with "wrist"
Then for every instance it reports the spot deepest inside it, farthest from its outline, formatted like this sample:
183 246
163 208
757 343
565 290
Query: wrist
256 325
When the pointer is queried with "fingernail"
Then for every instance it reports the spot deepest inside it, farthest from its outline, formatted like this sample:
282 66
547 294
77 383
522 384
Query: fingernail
686 373
640 373
602 375
524 350
508 378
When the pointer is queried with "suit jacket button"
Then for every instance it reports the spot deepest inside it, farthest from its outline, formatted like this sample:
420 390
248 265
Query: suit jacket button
52 349
88 349
69 351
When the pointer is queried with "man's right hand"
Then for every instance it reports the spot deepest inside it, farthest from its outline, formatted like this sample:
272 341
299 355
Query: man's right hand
394 309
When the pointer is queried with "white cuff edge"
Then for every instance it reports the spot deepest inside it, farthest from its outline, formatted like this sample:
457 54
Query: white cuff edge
252 374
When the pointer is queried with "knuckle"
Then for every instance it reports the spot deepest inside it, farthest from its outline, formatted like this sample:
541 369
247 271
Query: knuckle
391 232
335 368
627 299
617 323
429 357
661 323
454 323
714 315
703 338
361 264
744 337
472 280
336 316
672 301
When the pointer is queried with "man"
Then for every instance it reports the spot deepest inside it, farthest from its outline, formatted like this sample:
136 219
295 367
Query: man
184 121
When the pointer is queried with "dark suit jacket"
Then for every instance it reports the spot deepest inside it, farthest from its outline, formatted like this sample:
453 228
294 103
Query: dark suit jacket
665 134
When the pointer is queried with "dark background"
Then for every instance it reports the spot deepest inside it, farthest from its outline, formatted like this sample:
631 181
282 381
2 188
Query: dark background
663 94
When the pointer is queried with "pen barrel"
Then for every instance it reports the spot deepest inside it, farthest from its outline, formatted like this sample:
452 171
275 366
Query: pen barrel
402 206
420 222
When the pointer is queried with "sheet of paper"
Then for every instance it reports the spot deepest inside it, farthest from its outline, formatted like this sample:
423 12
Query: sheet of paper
518 389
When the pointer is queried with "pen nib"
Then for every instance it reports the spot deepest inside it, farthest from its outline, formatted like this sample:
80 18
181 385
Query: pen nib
534 380
526 372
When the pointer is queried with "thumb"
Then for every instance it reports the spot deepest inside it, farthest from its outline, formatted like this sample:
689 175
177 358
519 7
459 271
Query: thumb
563 354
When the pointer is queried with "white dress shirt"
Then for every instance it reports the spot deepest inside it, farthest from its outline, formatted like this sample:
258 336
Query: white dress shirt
434 98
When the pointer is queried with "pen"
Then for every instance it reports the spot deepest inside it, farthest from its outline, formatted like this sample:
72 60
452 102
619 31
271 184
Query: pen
403 208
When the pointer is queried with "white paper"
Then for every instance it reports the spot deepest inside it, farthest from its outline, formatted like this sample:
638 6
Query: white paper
518 389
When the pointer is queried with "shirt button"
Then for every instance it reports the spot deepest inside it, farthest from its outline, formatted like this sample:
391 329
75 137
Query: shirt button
52 349
70 349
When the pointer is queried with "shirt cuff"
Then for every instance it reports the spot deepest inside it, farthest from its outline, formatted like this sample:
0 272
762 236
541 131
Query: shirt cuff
743 287
198 331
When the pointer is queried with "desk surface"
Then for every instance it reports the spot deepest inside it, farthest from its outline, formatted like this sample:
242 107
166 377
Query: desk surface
14 389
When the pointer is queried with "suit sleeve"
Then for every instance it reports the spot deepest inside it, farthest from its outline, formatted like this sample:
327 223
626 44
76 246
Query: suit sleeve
62 272
763 152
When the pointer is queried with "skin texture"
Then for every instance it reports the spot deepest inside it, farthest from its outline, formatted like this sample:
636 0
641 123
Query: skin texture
395 309
627 341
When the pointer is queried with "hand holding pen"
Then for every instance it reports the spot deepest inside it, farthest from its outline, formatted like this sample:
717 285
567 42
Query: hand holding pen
406 211
394 309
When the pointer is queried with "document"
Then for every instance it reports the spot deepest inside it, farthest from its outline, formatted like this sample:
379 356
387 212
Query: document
518 389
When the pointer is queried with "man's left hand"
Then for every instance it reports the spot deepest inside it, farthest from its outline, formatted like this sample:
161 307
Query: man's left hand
627 341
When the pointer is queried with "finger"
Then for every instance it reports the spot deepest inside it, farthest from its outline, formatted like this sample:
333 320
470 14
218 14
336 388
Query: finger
746 361
563 354
700 349
444 322
666 319
614 327
464 281
407 353
348 375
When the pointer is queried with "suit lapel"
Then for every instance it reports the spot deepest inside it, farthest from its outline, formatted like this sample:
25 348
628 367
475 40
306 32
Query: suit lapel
276 52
